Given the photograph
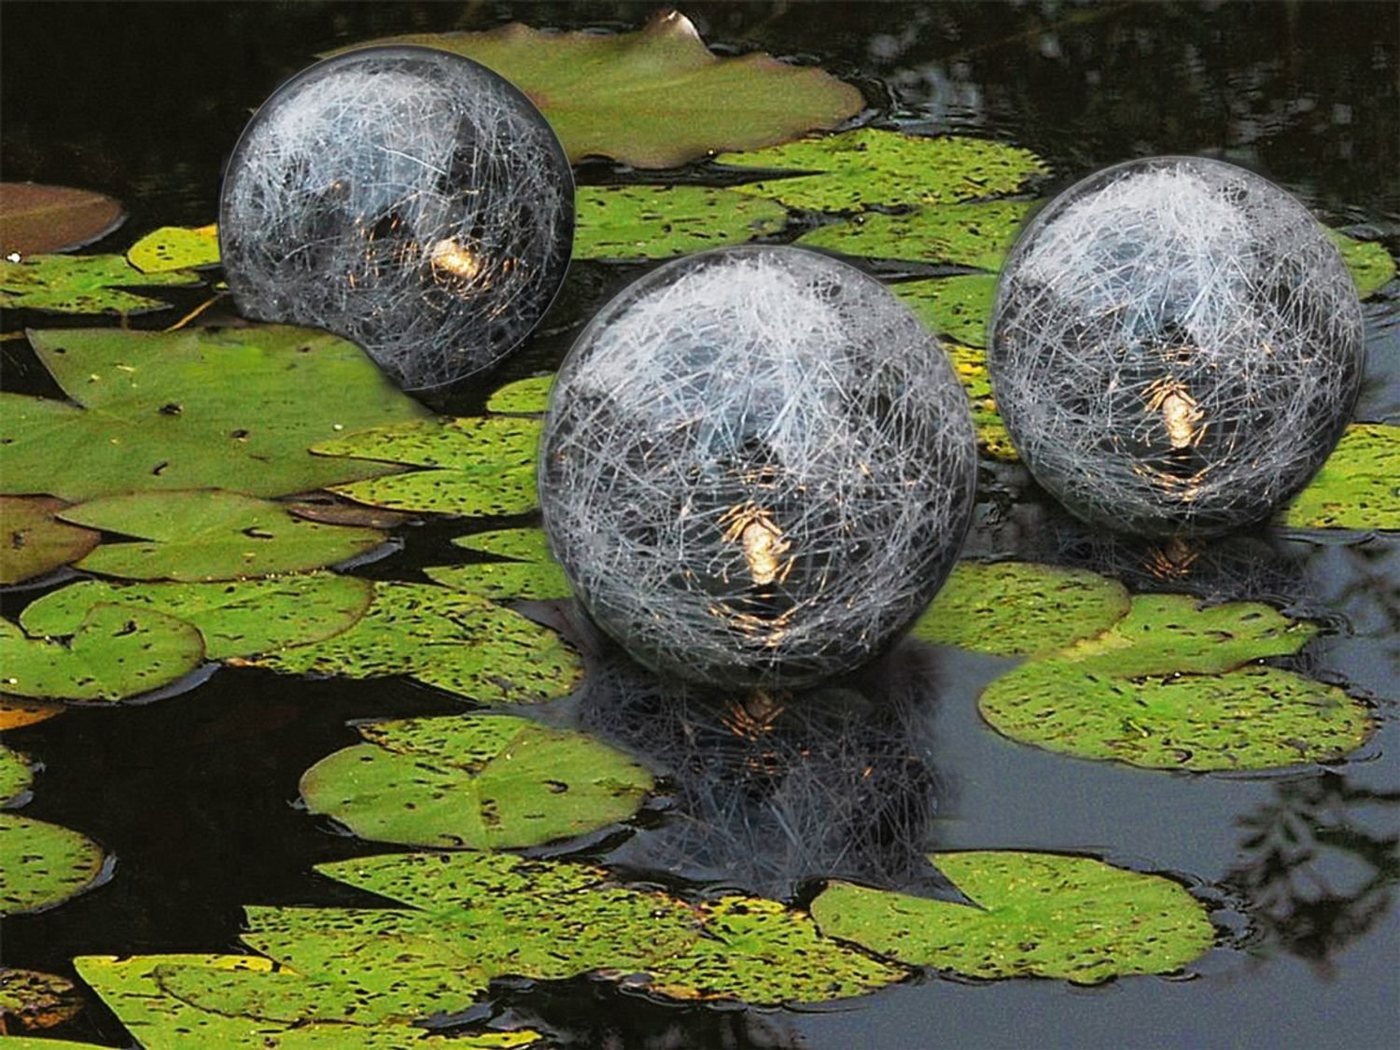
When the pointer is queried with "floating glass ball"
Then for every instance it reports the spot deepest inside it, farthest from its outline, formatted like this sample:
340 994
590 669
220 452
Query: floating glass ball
405 198
1176 347
757 467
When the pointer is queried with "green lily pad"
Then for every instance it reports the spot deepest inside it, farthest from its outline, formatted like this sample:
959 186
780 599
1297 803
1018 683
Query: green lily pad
532 573
1038 914
474 782
655 222
1359 485
524 397
115 653
175 248
233 409
206 534
956 308
236 618
758 952
37 218
977 235
970 365
655 98
33 542
872 167
83 284
459 642
43 864
31 1000
1017 608
1371 266
15 775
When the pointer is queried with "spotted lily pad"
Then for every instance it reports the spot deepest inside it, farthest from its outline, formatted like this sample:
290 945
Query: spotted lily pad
31 1001
234 409
524 397
15 776
869 167
236 618
1359 485
474 782
116 652
654 222
970 365
211 535
83 284
977 235
1371 266
1036 914
175 248
655 98
956 308
459 642
531 573
1016 608
43 864
33 541
37 218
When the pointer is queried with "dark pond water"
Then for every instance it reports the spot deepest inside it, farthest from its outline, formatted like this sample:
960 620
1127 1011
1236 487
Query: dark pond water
195 796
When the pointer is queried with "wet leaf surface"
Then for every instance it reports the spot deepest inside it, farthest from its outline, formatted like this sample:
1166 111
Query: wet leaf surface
531 573
33 541
1037 914
31 1001
84 284
1359 485
1371 266
977 235
37 218
211 535
236 618
43 864
524 397
655 98
175 248
115 653
199 408
15 775
654 222
474 782
955 308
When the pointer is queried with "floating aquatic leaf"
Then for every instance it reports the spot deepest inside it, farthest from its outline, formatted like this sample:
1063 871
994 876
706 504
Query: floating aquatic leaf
533 573
234 409
175 248
83 284
455 641
1371 266
42 864
116 652
31 1000
524 397
15 713
977 235
236 618
15 775
955 308
655 98
33 542
654 222
1359 485
872 167
1015 608
474 782
1036 914
206 534
37 218
330 509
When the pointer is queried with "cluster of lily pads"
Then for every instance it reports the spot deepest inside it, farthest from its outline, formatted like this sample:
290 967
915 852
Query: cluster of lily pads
175 475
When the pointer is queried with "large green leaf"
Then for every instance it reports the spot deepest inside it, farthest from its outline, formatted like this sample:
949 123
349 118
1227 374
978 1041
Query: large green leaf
43 864
1015 608
15 775
1371 266
114 653
236 618
36 218
977 235
33 542
656 98
531 573
175 248
1036 914
233 409
474 782
83 284
869 167
653 222
956 308
455 641
1359 485
32 1000
523 397
206 534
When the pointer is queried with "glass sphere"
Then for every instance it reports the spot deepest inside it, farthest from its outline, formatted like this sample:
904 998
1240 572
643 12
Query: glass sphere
406 198
1176 347
757 467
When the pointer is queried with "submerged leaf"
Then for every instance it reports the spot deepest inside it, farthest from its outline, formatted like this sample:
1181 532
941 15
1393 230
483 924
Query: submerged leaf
33 541
1359 485
977 235
31 1001
83 284
654 222
1371 266
175 248
1036 914
16 713
37 218
43 864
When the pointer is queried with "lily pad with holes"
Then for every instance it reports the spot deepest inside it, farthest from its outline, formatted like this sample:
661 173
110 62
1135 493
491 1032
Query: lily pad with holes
524 397
956 308
115 653
459 642
234 409
236 618
84 284
206 534
977 235
1371 266
33 541
655 222
15 775
1359 485
474 782
1036 915
1018 608
32 1001
655 98
175 248
43 864
871 167
38 218
531 573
